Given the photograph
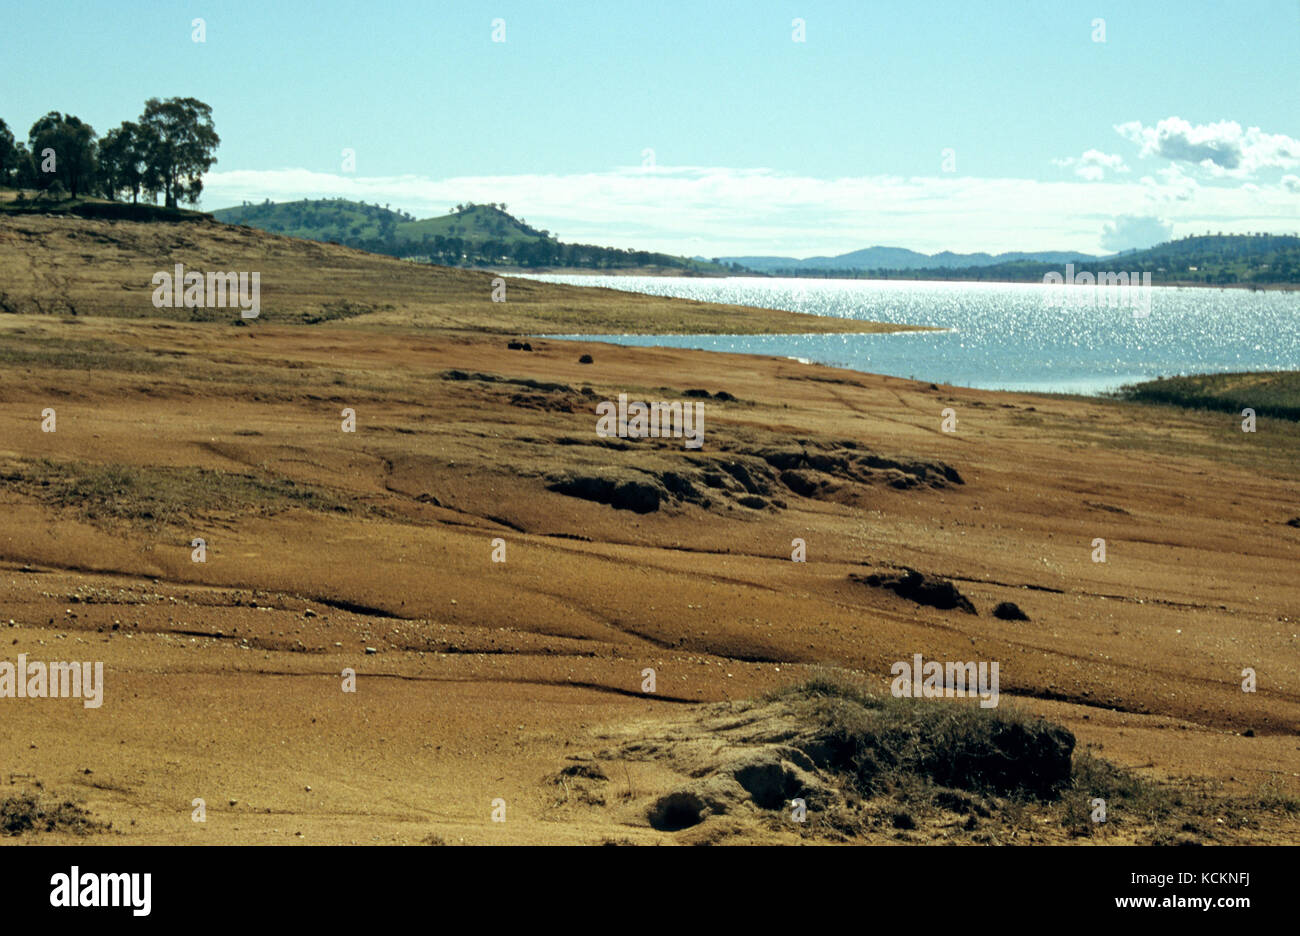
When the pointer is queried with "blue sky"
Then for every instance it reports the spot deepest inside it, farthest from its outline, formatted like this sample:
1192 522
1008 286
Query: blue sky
1184 119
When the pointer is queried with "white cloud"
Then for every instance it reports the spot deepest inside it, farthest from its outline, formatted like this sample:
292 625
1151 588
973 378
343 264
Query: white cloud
1222 148
1093 165
730 212
1130 233
1171 184
1291 183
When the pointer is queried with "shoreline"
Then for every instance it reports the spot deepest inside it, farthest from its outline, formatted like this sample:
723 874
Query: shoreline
1110 389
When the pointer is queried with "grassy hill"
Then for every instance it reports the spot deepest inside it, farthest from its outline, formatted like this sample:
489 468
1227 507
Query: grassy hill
1222 258
340 221
469 235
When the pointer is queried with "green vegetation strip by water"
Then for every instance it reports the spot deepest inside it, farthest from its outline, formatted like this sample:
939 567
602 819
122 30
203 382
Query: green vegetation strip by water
1274 394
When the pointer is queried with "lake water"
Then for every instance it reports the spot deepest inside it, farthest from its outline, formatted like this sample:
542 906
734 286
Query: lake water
1001 336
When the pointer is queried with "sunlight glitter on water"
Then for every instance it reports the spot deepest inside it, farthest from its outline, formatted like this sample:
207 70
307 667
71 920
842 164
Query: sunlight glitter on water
1001 336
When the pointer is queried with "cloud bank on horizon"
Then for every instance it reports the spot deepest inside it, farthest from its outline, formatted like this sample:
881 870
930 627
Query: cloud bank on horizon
1186 179
820 128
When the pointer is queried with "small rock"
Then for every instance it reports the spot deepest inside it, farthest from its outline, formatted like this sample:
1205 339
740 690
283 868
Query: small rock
1009 611
371 650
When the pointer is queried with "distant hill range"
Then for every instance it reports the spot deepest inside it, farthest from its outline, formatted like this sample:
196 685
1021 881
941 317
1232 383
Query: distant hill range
899 258
1211 259
489 236
468 235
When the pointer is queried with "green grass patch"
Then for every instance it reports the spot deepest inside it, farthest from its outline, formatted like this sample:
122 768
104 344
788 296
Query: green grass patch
1268 394
882 742
1007 772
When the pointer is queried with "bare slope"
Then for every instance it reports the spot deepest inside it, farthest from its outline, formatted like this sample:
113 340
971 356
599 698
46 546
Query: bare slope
83 267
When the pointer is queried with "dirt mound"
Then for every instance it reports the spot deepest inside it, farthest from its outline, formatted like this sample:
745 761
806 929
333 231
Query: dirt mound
757 778
962 747
843 461
622 489
822 760
645 490
1009 611
919 588
757 479
516 381
721 395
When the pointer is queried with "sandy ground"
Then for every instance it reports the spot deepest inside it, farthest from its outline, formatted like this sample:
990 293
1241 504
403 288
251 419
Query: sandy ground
478 680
